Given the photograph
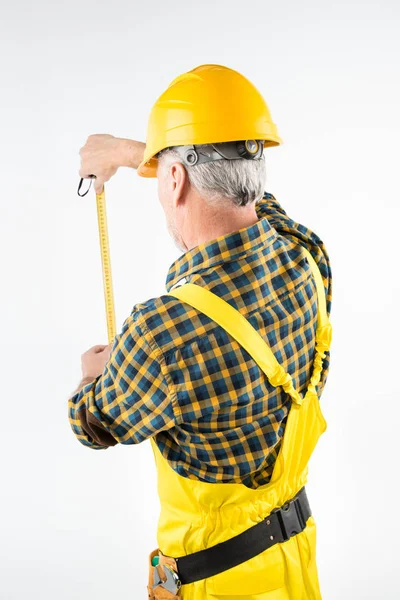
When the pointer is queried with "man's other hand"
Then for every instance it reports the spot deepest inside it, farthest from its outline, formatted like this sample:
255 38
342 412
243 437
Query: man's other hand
94 360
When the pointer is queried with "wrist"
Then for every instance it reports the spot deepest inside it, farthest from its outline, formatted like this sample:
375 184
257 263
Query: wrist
84 381
87 379
130 153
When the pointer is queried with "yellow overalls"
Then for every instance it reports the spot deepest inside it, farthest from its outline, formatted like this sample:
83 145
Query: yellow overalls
196 515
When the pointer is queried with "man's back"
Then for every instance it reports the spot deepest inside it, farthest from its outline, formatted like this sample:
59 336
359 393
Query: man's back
176 375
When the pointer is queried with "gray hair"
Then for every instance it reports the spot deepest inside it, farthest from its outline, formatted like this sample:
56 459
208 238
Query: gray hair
238 181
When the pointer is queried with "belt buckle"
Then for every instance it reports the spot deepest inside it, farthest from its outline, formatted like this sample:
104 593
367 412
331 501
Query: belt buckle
171 583
290 519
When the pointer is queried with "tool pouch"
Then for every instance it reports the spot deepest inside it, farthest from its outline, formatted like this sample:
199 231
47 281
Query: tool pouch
159 592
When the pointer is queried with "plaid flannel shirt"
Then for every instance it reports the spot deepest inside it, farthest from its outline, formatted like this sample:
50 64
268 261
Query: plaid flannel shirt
175 375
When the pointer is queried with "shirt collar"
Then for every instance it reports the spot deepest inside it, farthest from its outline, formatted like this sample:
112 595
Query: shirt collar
223 249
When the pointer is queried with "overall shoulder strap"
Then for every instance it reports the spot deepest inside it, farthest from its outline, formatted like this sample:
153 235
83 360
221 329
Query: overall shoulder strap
323 336
244 333
322 314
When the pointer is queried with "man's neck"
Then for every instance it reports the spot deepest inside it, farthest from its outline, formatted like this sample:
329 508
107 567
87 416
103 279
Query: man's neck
210 222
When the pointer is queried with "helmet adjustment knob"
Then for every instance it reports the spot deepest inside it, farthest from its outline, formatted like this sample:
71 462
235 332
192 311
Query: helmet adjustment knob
191 157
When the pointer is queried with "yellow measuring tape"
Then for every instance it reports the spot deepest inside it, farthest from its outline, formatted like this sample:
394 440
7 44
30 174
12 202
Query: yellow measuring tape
106 265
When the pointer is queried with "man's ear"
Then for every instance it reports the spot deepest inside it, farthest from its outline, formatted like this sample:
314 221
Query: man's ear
179 181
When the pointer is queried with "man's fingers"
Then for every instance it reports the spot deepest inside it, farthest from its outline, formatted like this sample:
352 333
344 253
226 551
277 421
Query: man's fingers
98 348
86 173
83 172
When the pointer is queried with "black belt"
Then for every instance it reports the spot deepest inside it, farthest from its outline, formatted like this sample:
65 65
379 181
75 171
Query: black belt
278 527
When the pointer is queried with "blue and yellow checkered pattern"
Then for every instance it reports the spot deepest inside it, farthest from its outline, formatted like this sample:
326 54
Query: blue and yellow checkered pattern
177 375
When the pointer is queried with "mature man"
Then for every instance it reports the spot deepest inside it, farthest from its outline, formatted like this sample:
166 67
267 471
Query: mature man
224 372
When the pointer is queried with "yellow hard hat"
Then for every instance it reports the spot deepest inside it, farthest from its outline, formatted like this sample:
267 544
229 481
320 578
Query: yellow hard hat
208 105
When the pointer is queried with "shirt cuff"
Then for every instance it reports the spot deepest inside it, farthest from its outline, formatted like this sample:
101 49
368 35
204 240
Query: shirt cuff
86 427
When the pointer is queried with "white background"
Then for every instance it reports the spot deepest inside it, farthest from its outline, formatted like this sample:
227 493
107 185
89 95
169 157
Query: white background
79 524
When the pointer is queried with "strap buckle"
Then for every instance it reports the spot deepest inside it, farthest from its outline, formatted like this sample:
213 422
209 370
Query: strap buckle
290 518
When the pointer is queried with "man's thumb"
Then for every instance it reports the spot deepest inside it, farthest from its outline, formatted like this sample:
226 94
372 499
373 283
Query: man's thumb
98 186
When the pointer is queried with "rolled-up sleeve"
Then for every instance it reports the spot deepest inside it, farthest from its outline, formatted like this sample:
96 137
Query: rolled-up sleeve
131 401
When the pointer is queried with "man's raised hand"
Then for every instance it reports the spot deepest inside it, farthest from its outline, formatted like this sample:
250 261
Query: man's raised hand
103 154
